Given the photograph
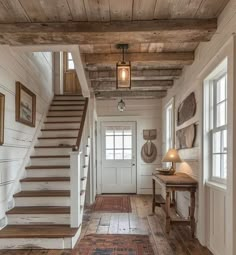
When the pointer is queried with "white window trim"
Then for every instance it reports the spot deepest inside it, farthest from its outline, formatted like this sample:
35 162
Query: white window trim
218 72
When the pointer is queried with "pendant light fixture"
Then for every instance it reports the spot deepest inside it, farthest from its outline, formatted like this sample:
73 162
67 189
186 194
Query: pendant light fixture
121 105
123 70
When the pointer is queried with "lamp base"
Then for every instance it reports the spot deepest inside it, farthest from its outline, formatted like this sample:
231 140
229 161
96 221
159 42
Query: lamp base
171 170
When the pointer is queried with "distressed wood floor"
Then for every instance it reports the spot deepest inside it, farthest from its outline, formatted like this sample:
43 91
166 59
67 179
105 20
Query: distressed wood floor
140 221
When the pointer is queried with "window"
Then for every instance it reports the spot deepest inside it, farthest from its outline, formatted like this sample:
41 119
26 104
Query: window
118 143
70 62
219 128
215 124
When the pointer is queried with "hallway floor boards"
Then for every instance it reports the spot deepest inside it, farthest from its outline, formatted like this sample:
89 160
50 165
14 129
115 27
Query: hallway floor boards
140 221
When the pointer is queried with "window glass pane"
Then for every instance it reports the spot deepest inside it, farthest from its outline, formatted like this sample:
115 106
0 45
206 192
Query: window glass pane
127 154
221 114
69 56
217 142
109 142
118 142
118 154
224 143
109 154
224 163
119 131
109 131
221 89
216 165
71 65
127 131
128 142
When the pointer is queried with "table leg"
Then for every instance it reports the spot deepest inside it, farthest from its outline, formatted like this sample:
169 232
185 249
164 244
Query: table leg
174 201
153 195
192 210
167 212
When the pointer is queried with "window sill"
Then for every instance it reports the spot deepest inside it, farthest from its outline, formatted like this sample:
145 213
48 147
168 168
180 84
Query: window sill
217 186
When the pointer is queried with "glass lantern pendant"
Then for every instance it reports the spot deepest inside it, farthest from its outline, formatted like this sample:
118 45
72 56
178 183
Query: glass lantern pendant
121 105
123 70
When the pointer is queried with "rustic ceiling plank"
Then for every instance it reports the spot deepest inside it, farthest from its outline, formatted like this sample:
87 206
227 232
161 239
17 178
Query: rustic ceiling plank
78 11
110 33
185 58
130 94
140 85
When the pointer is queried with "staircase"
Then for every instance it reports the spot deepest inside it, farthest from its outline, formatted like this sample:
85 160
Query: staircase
41 218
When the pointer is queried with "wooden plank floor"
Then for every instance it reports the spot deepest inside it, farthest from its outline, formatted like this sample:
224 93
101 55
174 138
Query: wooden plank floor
140 221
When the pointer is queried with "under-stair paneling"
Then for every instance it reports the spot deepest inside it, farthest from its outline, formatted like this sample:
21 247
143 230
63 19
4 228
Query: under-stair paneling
147 114
34 70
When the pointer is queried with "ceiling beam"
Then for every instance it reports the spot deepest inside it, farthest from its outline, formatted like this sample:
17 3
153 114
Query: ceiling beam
178 58
164 31
136 75
130 94
136 85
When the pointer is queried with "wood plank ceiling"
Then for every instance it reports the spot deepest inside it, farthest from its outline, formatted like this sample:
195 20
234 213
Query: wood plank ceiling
162 36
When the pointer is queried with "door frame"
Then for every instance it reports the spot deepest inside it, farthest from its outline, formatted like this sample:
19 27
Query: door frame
99 147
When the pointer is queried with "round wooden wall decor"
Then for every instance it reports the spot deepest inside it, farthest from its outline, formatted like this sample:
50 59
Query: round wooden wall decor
149 152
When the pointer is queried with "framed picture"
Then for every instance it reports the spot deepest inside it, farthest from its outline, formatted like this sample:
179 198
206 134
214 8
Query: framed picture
2 113
25 105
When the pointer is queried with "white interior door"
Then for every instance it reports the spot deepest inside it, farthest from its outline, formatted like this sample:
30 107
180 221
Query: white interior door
118 157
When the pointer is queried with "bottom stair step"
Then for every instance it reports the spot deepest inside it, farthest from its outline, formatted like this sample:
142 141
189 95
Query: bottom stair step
40 210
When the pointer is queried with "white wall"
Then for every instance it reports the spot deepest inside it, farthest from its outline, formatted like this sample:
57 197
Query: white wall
35 71
147 115
207 57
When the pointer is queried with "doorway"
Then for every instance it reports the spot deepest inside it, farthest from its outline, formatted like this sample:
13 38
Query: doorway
119 171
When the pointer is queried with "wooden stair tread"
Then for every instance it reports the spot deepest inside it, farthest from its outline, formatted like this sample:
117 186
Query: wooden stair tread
37 231
65 116
65 110
43 193
40 210
58 129
47 167
68 100
54 147
59 122
46 179
63 137
81 104
51 156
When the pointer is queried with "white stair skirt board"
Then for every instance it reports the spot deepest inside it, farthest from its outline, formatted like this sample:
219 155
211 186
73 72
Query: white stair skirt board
56 142
48 173
26 219
60 133
67 107
83 184
42 201
50 161
64 119
52 151
45 185
60 125
64 113
40 243
82 199
69 98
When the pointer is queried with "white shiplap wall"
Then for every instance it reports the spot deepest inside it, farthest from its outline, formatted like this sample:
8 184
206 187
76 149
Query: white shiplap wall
207 57
35 71
147 115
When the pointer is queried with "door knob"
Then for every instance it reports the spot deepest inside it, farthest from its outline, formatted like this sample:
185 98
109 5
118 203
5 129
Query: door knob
133 164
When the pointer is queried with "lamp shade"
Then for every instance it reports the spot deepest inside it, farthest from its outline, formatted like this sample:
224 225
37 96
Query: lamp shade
172 156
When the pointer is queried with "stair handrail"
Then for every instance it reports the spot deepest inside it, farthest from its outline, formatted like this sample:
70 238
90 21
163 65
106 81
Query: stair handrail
80 133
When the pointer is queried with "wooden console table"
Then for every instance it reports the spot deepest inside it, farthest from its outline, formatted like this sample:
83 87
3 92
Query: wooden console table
172 183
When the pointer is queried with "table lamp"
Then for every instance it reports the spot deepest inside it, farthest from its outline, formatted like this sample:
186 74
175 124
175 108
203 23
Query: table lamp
173 157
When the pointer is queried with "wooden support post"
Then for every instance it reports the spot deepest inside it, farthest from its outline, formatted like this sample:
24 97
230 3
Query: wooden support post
167 212
192 209
153 195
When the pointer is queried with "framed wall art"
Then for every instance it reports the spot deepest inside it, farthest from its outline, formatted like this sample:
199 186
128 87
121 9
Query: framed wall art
25 105
2 116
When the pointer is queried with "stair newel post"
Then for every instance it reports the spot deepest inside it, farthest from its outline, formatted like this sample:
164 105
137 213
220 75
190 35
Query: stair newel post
75 176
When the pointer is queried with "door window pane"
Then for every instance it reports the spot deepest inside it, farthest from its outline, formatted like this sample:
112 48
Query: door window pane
127 142
127 154
118 154
119 142
109 154
109 142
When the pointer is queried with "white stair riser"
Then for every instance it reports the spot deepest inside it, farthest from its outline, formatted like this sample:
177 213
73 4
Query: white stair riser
64 113
84 171
56 142
38 243
45 185
42 201
82 199
61 125
86 160
67 107
83 184
67 102
58 133
50 161
79 97
48 173
64 119
25 219
52 151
